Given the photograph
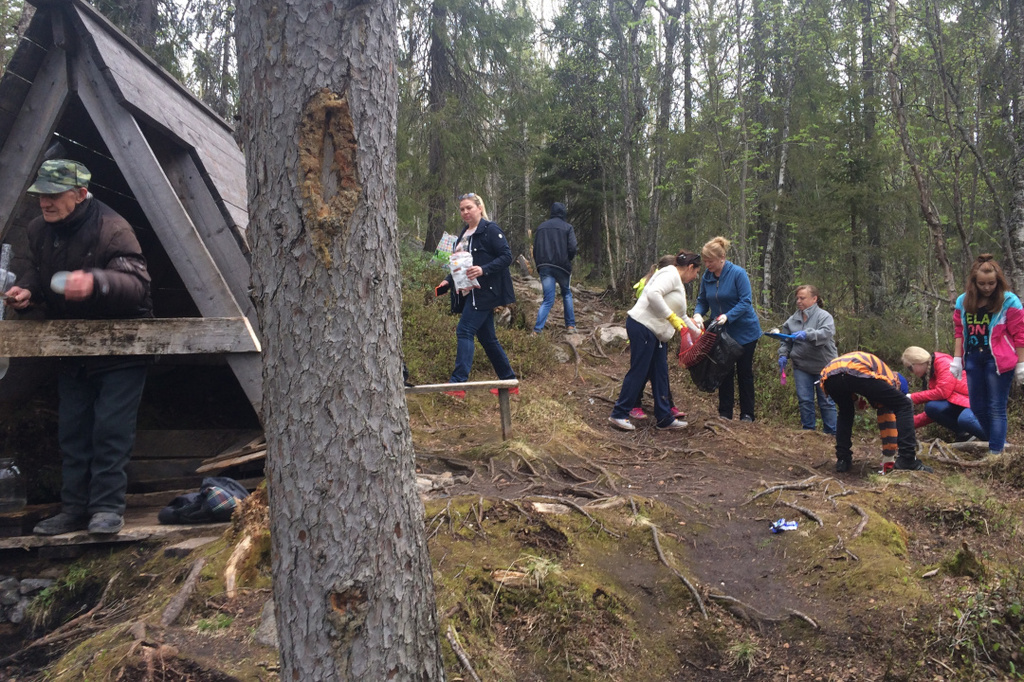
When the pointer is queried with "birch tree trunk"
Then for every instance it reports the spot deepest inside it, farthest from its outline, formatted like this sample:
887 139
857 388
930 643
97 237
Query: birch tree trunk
352 578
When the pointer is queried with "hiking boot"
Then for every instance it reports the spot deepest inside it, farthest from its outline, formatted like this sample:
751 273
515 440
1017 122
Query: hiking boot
458 395
512 391
676 424
843 464
676 412
106 523
638 413
907 464
621 424
61 523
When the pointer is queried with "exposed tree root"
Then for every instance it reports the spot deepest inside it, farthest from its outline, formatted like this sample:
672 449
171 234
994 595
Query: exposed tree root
863 521
177 603
806 512
748 612
569 503
801 485
689 585
80 624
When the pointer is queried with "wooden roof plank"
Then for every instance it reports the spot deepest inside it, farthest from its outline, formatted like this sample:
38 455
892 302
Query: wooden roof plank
144 89
25 146
152 336
171 223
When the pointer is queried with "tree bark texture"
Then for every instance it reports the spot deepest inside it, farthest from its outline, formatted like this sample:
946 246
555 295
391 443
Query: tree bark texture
352 578
1016 220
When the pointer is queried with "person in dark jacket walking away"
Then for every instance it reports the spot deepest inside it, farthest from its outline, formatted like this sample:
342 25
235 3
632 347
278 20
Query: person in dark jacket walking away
491 258
554 248
85 263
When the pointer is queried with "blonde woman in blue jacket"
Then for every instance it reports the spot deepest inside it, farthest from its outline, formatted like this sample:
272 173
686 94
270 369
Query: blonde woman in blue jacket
726 297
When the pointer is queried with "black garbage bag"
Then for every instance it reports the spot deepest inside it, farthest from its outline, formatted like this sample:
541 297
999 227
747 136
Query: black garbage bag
711 359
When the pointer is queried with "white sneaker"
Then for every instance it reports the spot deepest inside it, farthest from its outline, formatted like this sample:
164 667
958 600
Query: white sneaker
676 424
622 424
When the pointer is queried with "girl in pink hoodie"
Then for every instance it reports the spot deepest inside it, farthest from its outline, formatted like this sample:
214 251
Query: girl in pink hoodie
988 325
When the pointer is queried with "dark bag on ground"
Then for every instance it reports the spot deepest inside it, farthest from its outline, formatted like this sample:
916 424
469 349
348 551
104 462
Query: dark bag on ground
214 503
711 358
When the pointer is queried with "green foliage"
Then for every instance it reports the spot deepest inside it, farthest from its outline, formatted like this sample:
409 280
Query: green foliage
983 629
220 621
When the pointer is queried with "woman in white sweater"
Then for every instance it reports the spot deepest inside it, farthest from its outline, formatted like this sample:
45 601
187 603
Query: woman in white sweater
652 322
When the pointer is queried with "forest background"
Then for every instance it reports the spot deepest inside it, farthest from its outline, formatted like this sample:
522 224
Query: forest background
870 148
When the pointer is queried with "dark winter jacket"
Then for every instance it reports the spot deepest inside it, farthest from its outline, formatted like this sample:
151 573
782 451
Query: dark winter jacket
96 239
491 252
554 245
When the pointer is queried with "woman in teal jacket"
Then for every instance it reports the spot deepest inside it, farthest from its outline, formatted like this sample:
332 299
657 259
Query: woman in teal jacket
725 295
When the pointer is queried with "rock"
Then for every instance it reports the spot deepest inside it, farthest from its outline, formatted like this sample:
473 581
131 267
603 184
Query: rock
9 597
535 285
613 336
8 584
561 354
17 614
266 633
33 585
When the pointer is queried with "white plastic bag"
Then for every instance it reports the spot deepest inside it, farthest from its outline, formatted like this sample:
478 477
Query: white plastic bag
459 262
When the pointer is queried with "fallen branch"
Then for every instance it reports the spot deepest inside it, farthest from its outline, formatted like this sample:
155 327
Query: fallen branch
460 653
231 570
689 585
179 600
806 512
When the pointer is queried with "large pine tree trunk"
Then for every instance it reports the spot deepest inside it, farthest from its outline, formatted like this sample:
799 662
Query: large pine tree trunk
352 578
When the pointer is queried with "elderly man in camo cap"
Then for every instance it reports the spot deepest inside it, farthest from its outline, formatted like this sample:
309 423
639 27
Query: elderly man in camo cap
86 264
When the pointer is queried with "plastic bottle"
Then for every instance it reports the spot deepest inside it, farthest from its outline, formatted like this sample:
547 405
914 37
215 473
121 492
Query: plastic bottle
12 487
782 378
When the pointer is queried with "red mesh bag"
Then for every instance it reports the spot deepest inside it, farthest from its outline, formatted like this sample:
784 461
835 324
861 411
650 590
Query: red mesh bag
699 350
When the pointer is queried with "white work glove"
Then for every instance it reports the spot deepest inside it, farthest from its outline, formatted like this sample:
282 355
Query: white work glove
721 319
1018 373
698 320
956 368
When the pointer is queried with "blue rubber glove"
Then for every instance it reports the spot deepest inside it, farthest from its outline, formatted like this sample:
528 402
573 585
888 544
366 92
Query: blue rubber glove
800 336
782 363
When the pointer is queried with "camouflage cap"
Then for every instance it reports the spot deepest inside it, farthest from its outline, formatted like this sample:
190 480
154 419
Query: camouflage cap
60 175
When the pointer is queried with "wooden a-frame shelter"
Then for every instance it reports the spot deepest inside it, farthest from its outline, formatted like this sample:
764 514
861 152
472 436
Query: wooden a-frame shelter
76 87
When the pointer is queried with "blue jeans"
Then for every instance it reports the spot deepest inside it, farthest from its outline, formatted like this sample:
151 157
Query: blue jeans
805 393
955 418
988 392
648 360
478 324
548 277
96 430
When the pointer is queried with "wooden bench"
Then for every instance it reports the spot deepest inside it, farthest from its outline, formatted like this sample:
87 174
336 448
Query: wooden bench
502 385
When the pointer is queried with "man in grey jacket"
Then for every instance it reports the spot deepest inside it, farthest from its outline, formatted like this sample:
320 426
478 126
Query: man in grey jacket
554 248
812 347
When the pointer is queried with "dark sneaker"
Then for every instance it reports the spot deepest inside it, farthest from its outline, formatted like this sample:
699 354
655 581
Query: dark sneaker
843 465
746 418
60 524
106 523
906 464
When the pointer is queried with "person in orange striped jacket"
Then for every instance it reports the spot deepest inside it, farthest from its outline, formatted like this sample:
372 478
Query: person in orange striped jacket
863 374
